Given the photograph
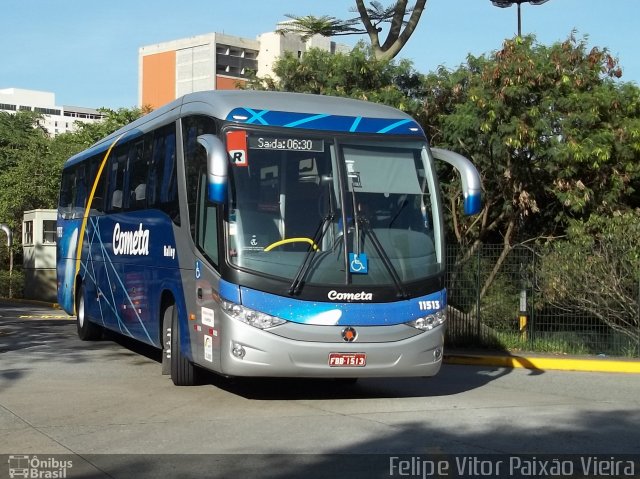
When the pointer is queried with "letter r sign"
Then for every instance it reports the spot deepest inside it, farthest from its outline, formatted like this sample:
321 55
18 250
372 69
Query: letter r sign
237 148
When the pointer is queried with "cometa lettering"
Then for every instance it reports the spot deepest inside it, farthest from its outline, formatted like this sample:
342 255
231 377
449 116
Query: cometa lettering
362 296
134 243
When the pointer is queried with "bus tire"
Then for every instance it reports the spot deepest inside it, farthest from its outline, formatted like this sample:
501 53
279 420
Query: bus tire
87 331
183 372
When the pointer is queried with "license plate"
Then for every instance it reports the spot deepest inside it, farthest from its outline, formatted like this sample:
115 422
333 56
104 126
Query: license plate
347 360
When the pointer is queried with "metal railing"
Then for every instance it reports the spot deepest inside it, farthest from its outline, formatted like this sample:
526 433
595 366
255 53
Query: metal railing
500 299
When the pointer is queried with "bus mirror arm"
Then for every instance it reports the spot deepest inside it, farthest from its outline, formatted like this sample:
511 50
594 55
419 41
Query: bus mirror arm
470 178
217 167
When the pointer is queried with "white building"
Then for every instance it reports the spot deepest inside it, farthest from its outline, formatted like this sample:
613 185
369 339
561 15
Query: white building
57 119
39 251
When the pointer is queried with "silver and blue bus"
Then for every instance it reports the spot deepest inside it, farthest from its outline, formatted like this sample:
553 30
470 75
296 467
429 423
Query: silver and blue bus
262 234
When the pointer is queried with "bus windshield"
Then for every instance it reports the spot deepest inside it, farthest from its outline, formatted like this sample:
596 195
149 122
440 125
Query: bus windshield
291 197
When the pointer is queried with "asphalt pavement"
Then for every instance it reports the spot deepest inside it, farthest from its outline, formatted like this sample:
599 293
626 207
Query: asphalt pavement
102 409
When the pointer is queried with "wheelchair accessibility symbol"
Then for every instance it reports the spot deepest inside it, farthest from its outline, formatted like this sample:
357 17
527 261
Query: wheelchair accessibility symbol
358 263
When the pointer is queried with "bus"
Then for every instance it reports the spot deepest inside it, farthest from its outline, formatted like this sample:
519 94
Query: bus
262 234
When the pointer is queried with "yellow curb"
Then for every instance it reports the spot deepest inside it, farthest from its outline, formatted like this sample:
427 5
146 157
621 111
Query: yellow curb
541 364
57 317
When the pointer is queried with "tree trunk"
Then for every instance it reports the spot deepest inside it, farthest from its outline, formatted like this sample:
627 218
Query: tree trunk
397 37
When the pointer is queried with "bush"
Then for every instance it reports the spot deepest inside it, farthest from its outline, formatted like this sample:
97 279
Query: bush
13 283
596 271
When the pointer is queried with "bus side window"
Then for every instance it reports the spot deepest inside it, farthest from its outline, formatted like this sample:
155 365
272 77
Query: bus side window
202 213
116 200
155 170
80 200
162 182
65 202
97 203
138 176
169 190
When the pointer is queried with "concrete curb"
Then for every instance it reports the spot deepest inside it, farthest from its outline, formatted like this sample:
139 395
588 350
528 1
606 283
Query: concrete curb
545 363
35 302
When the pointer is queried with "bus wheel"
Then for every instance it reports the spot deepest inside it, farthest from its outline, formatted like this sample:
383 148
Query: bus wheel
183 372
87 331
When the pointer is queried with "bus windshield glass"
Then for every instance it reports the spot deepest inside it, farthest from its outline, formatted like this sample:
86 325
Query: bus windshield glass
291 197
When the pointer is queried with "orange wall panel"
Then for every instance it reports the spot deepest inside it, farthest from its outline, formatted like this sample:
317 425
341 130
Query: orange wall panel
226 83
158 79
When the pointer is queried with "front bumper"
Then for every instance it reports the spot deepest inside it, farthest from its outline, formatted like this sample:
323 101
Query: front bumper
404 352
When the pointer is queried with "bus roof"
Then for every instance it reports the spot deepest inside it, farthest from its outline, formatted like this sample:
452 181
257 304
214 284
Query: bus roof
281 109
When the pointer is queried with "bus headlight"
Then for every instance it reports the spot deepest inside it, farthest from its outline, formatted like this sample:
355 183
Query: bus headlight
251 317
430 321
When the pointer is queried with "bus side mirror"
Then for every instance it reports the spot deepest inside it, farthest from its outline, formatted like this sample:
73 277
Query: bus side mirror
217 167
471 184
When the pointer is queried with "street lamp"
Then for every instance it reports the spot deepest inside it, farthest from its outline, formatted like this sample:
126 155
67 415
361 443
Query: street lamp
508 3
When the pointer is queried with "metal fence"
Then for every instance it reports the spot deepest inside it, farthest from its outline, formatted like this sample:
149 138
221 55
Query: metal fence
497 299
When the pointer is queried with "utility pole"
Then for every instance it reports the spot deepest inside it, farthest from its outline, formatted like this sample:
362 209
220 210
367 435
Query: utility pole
509 3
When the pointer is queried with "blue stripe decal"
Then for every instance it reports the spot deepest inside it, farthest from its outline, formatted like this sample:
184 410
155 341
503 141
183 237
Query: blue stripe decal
229 291
257 116
348 314
324 122
354 127
393 126
305 120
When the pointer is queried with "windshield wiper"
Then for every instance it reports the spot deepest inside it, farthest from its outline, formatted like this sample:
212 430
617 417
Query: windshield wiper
405 202
364 222
296 285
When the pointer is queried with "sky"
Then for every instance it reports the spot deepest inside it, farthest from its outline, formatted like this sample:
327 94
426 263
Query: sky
86 52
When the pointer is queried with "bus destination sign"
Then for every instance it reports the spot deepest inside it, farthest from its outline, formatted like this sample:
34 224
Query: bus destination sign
285 143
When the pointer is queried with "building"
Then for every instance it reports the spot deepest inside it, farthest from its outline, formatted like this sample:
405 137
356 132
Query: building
56 119
214 61
39 253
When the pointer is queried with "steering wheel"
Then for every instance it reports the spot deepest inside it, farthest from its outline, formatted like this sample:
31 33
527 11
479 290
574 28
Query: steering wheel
291 240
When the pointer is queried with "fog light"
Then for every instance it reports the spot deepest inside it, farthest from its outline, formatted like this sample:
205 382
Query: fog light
238 351
437 354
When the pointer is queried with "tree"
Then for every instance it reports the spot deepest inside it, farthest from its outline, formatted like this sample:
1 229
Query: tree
88 133
554 134
398 34
356 75
31 162
20 136
25 181
606 284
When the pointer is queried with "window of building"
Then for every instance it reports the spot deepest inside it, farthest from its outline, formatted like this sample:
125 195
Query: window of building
27 233
49 231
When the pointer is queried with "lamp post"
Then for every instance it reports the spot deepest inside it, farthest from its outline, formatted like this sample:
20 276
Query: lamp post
9 234
508 3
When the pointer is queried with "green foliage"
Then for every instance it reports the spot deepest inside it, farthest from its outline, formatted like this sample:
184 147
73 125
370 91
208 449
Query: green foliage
24 178
11 283
553 133
356 75
596 271
87 134
553 343
309 25
371 18
31 161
